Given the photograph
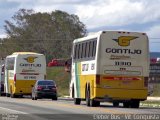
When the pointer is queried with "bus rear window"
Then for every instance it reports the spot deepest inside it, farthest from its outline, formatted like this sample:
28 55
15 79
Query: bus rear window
10 63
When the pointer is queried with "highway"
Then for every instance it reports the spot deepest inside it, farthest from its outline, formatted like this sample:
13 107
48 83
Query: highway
46 109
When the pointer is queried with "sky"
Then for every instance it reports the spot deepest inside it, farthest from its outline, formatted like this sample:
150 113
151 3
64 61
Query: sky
97 15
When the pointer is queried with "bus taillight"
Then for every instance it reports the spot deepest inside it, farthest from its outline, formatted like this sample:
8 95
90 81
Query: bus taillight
145 81
14 78
97 79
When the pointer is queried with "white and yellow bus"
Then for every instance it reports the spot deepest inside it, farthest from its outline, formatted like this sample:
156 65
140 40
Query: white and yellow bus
22 69
110 66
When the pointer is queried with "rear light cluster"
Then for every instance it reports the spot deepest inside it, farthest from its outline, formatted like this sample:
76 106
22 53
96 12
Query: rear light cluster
53 88
97 79
39 88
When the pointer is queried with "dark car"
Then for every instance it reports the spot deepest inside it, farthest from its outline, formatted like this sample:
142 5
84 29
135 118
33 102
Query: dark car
44 89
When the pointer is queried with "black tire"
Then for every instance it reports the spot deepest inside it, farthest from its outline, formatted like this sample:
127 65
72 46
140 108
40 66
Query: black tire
35 98
7 94
115 104
55 98
94 103
135 103
3 94
77 101
97 103
126 104
21 96
32 98
88 97
91 102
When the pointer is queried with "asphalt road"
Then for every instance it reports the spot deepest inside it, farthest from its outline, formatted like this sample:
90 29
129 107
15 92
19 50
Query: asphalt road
64 109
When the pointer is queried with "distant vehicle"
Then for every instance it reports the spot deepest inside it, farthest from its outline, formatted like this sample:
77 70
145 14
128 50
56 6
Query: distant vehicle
110 66
57 62
2 80
44 89
22 70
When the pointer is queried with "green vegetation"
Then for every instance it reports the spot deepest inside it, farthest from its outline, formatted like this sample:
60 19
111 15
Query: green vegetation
156 89
51 34
150 104
62 79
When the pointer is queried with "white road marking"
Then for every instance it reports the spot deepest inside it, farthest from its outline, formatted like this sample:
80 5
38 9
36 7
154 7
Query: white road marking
14 111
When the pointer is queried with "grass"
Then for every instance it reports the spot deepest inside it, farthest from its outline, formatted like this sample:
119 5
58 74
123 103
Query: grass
61 78
156 89
150 104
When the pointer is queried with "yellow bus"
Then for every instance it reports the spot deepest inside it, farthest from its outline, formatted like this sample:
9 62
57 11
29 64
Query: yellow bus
110 66
22 69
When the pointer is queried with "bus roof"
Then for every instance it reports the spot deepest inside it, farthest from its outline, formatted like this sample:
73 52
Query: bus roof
23 53
96 34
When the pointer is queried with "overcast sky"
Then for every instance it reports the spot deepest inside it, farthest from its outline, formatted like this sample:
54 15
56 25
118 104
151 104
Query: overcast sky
128 15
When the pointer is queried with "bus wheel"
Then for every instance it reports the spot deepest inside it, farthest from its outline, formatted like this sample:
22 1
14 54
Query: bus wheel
88 97
32 98
97 103
126 104
35 98
7 94
135 103
115 104
94 103
77 101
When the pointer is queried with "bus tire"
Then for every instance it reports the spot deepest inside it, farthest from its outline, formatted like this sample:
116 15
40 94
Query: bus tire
115 104
87 96
94 103
77 101
126 104
32 98
7 94
35 98
135 103
54 98
97 103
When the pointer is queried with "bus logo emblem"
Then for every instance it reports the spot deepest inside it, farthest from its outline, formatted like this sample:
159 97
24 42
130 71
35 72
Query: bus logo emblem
30 59
124 40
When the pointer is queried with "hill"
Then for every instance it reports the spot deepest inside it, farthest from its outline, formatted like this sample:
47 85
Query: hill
154 54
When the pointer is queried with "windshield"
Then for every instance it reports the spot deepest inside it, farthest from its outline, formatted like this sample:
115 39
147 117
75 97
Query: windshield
46 83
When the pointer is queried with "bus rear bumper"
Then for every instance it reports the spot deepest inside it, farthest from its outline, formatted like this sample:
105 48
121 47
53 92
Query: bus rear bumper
120 94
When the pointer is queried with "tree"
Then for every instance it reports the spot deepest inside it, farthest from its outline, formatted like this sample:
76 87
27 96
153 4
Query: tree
49 33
